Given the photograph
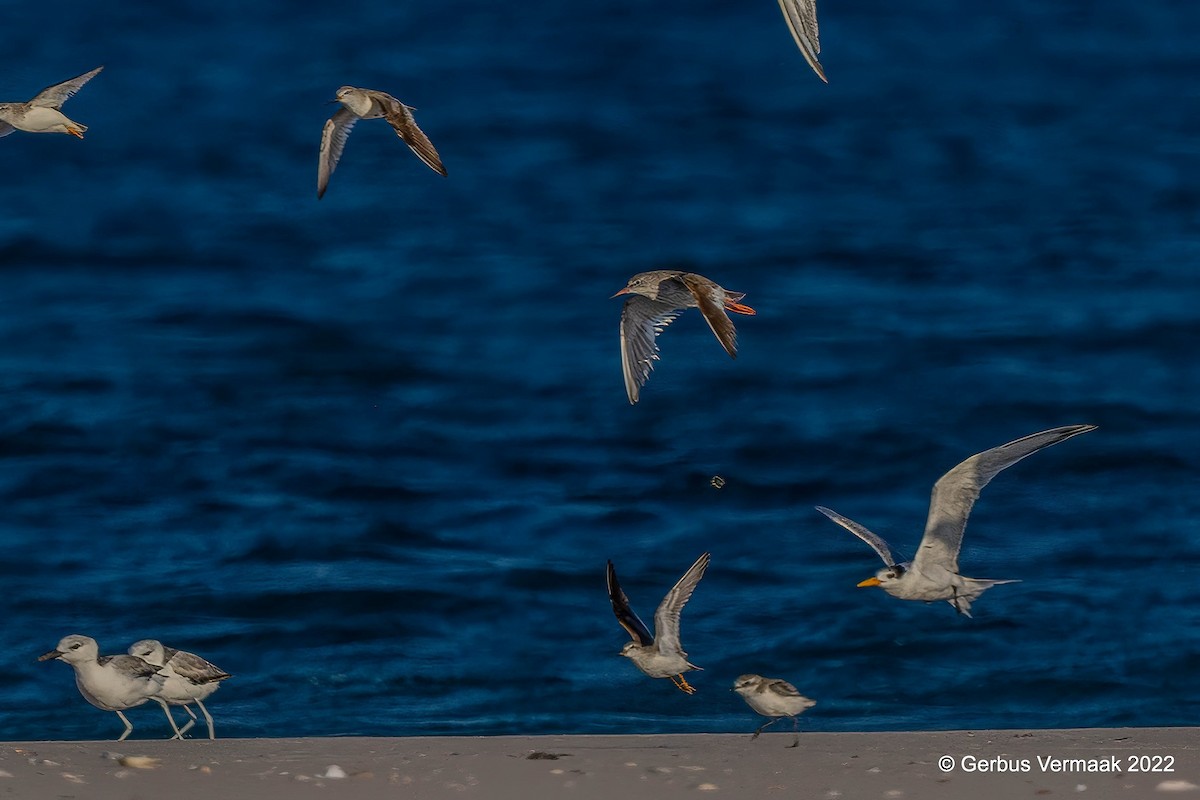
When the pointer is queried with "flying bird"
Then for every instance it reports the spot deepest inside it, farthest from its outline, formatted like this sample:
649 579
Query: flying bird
801 18
659 655
933 574
369 104
658 298
43 113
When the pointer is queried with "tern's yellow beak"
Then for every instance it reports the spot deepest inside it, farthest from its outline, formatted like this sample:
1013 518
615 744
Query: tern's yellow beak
623 291
869 582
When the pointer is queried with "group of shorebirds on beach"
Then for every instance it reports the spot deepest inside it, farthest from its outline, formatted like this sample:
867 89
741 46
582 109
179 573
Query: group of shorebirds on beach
149 671
152 672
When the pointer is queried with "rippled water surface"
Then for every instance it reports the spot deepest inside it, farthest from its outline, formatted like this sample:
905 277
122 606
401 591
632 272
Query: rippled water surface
370 454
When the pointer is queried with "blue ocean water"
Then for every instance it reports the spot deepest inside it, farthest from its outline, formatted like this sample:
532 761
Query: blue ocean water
370 454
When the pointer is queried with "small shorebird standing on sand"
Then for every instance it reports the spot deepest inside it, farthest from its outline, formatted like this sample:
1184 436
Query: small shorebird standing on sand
933 574
773 697
111 683
659 655
42 114
190 678
658 298
801 16
369 104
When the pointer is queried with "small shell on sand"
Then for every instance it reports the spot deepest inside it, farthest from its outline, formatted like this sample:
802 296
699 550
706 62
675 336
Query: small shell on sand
1176 786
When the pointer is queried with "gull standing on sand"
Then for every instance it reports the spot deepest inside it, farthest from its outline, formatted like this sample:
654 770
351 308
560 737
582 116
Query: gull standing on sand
369 104
658 298
801 17
42 114
773 697
190 679
111 683
659 655
933 574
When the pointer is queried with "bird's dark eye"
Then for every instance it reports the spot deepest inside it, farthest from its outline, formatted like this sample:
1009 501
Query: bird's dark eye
76 646
896 572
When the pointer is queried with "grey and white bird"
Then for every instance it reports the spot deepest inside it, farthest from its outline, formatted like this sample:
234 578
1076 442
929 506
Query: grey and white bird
189 678
111 683
659 655
370 104
658 297
933 574
43 113
773 697
801 17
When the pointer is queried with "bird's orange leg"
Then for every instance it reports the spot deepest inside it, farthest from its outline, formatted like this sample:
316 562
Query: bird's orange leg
739 308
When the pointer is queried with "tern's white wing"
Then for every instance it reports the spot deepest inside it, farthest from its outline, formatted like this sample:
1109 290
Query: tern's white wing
642 320
54 96
333 139
876 542
801 16
955 493
400 117
5 129
666 618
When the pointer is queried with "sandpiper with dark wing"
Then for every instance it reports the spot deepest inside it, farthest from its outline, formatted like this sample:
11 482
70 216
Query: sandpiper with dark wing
370 104
111 683
43 113
933 574
658 298
773 697
190 679
659 655
801 17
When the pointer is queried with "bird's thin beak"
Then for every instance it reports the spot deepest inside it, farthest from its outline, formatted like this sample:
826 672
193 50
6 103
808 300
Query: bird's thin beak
50 655
623 291
869 582
331 102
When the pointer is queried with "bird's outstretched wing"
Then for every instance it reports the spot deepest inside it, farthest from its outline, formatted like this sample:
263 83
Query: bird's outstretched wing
801 16
666 618
630 621
642 320
54 96
333 139
400 117
711 299
955 493
877 543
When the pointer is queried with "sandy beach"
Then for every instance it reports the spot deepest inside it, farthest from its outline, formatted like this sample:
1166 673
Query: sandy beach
1129 763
